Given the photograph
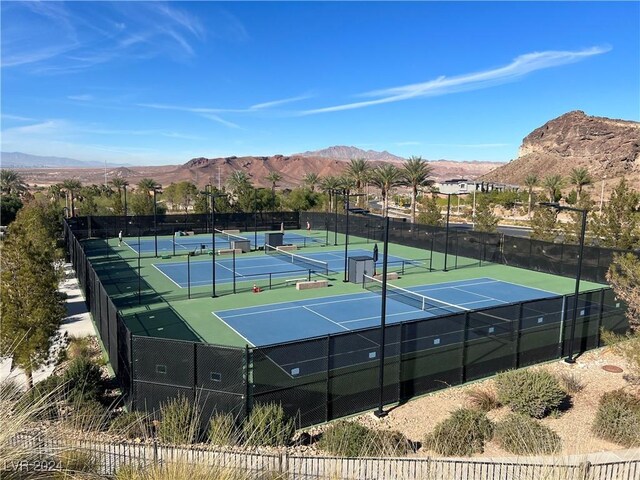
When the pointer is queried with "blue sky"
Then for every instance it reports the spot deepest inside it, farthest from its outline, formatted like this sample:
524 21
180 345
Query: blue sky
155 82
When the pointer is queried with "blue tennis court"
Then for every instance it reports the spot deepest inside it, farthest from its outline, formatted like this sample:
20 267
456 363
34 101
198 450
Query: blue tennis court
190 243
288 321
258 267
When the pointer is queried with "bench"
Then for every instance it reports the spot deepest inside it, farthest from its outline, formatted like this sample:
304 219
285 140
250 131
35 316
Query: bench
390 276
228 251
289 281
232 232
312 284
165 257
191 232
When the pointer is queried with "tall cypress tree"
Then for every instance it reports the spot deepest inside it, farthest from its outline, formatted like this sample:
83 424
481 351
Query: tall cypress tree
30 304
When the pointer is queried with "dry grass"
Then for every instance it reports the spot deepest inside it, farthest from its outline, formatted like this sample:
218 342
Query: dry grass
483 399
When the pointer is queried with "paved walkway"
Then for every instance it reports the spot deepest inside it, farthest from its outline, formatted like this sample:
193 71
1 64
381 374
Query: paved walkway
77 323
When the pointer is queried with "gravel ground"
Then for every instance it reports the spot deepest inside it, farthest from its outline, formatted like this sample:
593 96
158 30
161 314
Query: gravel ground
420 416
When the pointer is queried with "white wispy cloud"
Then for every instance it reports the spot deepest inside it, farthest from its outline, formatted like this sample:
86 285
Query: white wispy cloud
277 103
84 97
54 37
519 67
220 120
16 118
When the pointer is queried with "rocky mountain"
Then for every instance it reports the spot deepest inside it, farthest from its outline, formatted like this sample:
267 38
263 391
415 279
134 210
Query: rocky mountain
344 153
607 148
25 160
216 170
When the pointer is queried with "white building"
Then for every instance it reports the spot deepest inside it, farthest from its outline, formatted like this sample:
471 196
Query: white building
462 186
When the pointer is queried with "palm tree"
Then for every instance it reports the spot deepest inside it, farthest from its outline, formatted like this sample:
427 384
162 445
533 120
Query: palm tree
359 170
530 181
416 172
11 183
386 177
147 185
71 187
119 184
329 185
237 181
56 192
311 180
274 177
553 184
580 177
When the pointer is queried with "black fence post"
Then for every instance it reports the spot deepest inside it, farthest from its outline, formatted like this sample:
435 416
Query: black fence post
247 381
233 268
517 334
463 356
327 411
189 275
600 315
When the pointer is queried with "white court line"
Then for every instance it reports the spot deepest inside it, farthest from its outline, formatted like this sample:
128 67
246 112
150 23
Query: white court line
127 244
233 329
428 288
326 318
525 286
480 295
177 284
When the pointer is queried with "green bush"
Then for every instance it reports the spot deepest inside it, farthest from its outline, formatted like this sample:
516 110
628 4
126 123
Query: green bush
223 430
618 418
46 395
79 347
523 435
131 425
463 433
178 421
84 381
88 415
570 382
267 425
350 439
530 392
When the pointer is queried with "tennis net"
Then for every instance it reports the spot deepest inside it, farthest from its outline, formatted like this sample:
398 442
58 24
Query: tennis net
413 299
230 236
309 263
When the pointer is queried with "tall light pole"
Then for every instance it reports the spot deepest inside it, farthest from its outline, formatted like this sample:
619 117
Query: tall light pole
583 228
383 320
156 190
125 207
446 232
602 193
335 222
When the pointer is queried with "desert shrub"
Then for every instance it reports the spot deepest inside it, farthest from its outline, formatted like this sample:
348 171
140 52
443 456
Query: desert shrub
181 469
350 439
178 421
463 433
483 399
223 430
627 346
523 435
84 381
88 415
78 347
131 425
618 418
268 425
10 391
47 393
73 462
530 392
570 382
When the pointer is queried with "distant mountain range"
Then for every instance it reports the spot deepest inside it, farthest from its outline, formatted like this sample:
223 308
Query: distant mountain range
345 153
25 160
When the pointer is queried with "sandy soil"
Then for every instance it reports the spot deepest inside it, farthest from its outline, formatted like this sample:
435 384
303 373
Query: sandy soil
419 416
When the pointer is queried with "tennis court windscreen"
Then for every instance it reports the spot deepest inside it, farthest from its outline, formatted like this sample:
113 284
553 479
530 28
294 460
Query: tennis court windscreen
413 299
306 262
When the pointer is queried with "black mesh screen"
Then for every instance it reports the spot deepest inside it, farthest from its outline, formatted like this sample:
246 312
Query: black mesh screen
490 345
220 368
163 361
613 313
541 325
150 396
113 336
